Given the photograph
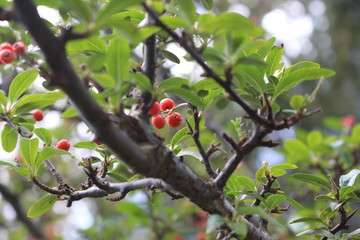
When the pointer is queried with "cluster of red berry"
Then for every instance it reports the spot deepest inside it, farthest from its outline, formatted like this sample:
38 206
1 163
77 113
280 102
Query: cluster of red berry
63 144
8 52
166 105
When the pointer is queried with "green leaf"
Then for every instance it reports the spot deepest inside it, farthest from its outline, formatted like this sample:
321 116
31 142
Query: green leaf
349 179
231 21
308 219
44 135
314 139
70 112
112 7
317 232
41 206
24 171
297 150
247 182
312 179
207 4
190 152
291 79
35 101
251 75
105 80
21 83
274 200
294 203
8 138
117 62
233 185
179 135
273 59
169 55
213 222
324 198
283 166
353 234
9 164
345 191
260 174
239 228
134 16
29 150
117 177
187 10
187 95
297 102
142 82
355 134
47 153
87 145
3 100
265 49
205 84
173 21
173 82
253 211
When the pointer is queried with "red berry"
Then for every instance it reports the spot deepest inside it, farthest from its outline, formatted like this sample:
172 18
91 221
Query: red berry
158 121
6 55
63 144
6 45
155 109
19 47
348 121
200 236
178 238
174 119
167 104
38 115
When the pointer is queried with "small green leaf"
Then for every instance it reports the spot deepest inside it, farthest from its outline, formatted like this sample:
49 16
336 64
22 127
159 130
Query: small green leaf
173 82
35 101
314 139
247 182
239 228
169 55
9 164
273 59
24 171
207 4
353 234
117 63
297 102
308 219
70 112
49 152
349 179
179 135
297 150
21 83
190 152
173 21
105 80
187 10
187 95
260 174
117 177
312 179
324 198
44 135
41 206
8 138
86 144
345 191
294 203
3 100
318 232
112 7
274 200
265 49
213 222
29 149
142 82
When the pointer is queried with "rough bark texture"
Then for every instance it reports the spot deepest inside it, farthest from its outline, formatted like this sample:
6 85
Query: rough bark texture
150 158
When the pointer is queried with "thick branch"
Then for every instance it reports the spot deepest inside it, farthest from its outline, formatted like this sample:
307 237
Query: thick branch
151 159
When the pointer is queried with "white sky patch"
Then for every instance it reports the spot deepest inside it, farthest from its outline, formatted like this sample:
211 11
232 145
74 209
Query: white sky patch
241 9
49 14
